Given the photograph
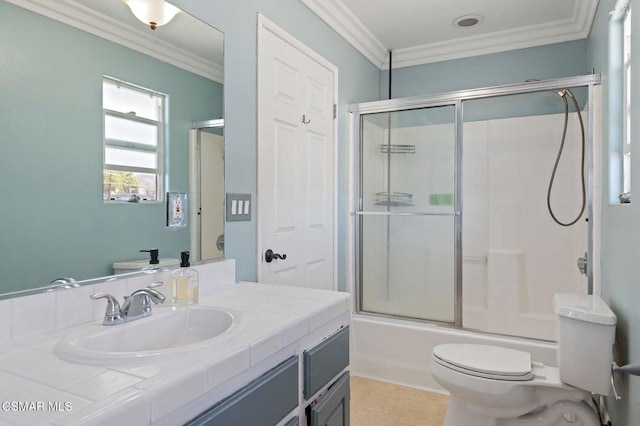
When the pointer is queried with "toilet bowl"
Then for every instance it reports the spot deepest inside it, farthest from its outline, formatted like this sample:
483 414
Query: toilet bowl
497 386
492 390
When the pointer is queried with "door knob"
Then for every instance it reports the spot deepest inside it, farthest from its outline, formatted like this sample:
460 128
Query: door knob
269 255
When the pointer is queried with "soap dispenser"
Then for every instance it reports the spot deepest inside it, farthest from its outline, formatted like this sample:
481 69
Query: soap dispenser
184 282
153 253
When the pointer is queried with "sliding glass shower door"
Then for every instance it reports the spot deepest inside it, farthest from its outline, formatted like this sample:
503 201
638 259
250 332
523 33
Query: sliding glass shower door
412 178
408 213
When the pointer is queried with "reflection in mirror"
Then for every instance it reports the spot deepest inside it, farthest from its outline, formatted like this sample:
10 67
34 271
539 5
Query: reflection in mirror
206 166
54 222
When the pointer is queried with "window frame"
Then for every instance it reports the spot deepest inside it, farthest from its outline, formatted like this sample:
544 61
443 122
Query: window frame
159 149
626 105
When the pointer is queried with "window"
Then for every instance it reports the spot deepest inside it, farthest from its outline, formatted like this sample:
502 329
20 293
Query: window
133 142
626 108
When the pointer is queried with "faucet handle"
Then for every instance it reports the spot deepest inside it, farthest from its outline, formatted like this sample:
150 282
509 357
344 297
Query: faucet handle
157 296
156 284
112 314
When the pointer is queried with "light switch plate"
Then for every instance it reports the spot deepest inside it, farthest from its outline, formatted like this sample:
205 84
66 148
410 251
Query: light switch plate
238 207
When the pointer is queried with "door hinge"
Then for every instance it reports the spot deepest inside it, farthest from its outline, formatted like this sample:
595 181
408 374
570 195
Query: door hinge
335 112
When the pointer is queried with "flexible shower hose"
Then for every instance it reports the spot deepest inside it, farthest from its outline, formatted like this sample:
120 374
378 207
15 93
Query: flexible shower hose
568 93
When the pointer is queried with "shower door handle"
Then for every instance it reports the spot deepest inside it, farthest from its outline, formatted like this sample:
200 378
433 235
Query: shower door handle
269 255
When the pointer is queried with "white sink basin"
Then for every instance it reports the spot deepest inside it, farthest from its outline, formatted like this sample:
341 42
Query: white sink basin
166 332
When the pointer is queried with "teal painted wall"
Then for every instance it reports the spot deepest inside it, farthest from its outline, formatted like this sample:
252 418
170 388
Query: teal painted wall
544 62
54 222
620 223
360 81
357 82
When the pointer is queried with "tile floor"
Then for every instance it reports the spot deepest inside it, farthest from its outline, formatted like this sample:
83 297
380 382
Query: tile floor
376 403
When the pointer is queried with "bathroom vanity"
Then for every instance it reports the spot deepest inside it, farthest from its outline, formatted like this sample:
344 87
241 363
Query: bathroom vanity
270 398
284 359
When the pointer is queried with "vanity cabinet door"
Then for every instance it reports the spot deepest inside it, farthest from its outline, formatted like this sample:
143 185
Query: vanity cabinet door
263 402
332 409
293 422
325 361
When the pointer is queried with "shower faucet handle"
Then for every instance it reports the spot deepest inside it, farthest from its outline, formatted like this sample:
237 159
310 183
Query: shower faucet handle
583 263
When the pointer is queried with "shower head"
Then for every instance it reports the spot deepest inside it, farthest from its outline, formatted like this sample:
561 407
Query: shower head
560 92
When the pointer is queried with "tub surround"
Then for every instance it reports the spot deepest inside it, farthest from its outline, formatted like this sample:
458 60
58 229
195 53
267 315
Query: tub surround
276 322
398 351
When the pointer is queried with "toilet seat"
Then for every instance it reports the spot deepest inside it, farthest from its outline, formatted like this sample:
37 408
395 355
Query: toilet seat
489 362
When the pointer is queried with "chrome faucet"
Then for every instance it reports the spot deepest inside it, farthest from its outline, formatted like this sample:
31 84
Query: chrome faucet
62 283
135 306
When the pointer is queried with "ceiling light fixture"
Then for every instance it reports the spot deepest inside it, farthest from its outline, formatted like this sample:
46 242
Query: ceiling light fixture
154 13
467 21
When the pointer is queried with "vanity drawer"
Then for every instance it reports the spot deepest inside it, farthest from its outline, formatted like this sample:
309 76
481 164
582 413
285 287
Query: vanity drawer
324 361
333 408
265 401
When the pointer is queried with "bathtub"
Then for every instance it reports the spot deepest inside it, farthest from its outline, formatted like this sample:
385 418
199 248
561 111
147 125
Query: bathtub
399 351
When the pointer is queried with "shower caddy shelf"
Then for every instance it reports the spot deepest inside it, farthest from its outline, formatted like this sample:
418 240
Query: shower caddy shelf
397 149
394 199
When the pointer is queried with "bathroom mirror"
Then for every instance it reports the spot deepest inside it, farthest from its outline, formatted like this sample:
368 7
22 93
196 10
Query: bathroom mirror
53 58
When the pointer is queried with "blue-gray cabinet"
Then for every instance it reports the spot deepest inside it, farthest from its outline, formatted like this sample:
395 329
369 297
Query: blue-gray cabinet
274 396
295 421
263 402
325 361
333 408
322 364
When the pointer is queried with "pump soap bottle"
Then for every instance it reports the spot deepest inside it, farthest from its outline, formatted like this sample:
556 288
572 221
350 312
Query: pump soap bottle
184 282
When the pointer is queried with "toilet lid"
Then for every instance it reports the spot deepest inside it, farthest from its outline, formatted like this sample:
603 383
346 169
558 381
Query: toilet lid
487 361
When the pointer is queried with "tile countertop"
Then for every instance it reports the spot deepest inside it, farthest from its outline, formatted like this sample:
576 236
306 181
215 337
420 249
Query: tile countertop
38 388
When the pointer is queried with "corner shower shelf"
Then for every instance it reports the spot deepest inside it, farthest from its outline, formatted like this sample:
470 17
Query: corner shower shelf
394 199
397 149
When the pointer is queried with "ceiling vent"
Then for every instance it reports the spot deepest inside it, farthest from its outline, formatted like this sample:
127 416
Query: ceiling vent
467 21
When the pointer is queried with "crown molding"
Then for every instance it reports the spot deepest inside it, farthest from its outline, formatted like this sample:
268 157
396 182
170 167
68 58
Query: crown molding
575 28
345 23
83 18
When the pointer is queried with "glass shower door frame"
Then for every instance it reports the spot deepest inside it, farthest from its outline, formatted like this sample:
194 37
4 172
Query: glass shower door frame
457 98
360 213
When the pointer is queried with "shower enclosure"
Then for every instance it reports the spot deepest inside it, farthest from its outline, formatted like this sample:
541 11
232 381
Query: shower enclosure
451 218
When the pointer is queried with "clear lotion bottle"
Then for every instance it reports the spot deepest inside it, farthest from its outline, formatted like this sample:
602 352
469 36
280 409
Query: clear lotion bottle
184 282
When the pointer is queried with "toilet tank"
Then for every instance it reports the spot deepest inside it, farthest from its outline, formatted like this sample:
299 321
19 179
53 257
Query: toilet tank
586 332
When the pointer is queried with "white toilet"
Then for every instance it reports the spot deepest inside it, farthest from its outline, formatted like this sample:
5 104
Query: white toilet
496 386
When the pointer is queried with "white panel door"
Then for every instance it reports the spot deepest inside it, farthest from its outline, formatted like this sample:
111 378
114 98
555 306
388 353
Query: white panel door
206 194
211 194
295 166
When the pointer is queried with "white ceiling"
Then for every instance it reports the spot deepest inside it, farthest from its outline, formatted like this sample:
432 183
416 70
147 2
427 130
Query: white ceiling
421 31
418 31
